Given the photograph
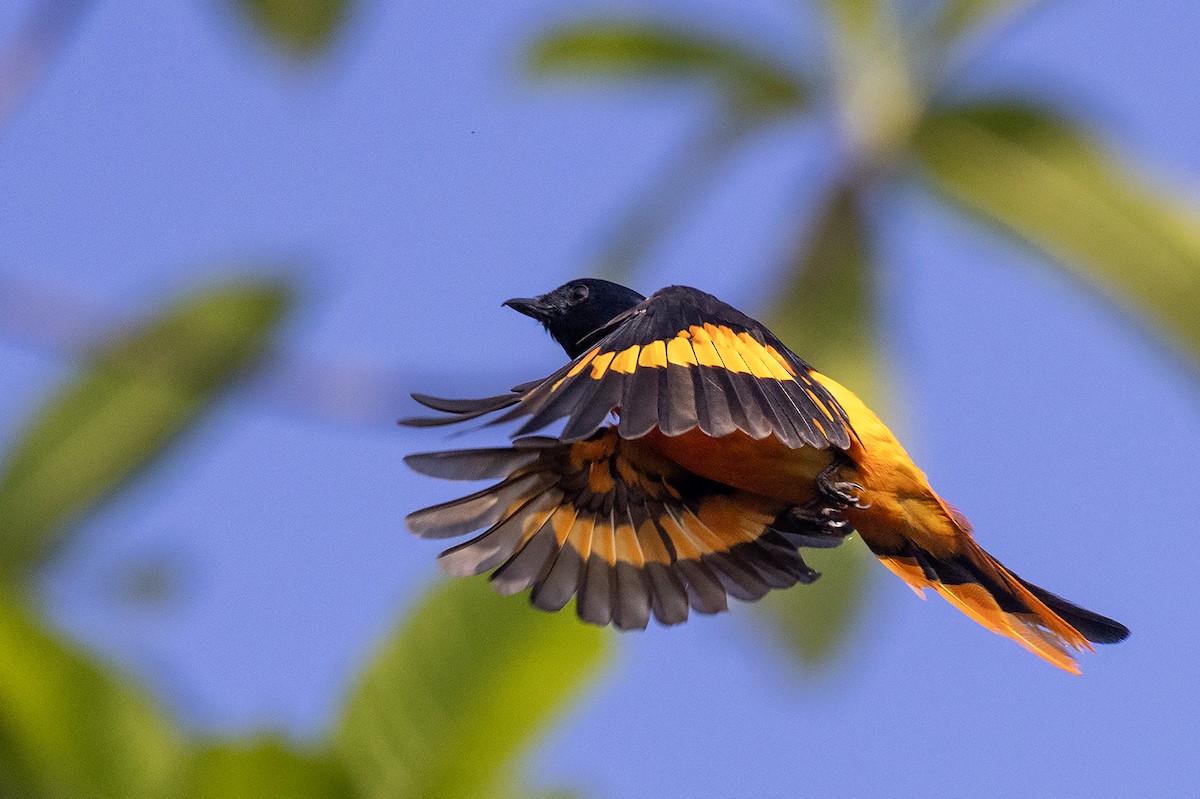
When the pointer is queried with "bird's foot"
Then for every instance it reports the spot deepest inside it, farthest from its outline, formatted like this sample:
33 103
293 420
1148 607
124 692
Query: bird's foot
821 518
841 493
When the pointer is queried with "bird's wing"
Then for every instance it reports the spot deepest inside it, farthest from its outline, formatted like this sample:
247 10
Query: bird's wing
682 359
613 522
458 410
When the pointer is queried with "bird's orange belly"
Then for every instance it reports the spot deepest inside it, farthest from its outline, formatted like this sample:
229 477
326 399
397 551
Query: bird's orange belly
765 467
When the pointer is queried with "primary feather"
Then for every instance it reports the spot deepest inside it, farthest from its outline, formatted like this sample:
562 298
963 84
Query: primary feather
728 453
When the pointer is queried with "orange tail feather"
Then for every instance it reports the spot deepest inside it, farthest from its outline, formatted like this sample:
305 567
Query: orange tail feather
982 588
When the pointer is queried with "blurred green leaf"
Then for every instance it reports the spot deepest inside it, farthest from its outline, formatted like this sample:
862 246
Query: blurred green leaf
813 621
878 91
133 396
298 27
858 20
461 689
963 17
826 308
70 728
264 768
1042 179
826 313
754 84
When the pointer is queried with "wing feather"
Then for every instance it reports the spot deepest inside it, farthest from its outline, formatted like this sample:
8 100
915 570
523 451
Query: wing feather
632 535
565 575
681 359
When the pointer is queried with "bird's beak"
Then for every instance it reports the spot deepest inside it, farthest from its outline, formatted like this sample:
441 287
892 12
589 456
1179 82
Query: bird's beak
530 306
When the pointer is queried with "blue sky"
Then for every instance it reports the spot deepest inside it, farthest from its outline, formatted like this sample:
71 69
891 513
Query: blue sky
414 182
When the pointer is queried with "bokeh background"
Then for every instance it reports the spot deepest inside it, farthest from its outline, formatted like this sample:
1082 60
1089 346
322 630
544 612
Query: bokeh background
234 235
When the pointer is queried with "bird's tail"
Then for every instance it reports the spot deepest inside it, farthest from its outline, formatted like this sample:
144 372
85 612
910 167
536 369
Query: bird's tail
982 588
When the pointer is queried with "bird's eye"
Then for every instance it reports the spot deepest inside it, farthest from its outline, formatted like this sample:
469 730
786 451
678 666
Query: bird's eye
579 294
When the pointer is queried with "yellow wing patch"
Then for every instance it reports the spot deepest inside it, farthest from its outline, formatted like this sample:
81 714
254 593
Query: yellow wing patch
680 352
584 361
649 377
778 356
712 345
600 364
654 355
626 360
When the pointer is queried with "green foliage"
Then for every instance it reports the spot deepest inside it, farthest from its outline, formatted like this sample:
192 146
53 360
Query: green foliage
1019 168
827 307
300 28
451 700
753 89
265 767
856 19
69 727
423 720
962 17
1041 178
132 398
458 691
812 623
752 83
830 287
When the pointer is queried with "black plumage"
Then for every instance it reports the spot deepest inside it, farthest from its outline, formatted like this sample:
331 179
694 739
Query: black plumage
593 513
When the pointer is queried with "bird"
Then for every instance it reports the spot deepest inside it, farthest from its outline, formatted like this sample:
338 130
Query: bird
697 456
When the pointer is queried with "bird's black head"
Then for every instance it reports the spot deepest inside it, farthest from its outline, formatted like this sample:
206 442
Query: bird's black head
574 311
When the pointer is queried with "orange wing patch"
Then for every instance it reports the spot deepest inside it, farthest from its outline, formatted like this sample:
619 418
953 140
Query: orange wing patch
610 521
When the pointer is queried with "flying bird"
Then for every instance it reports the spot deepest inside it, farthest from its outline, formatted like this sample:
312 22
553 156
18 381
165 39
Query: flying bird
698 456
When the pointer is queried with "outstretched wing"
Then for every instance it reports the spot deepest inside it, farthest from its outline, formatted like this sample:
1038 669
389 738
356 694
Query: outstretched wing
614 523
458 410
682 359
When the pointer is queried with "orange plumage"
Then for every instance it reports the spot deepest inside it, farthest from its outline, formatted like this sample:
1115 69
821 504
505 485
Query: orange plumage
728 454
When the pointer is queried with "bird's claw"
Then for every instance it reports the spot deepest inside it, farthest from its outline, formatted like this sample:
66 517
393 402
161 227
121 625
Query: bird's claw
847 494
821 517
843 494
